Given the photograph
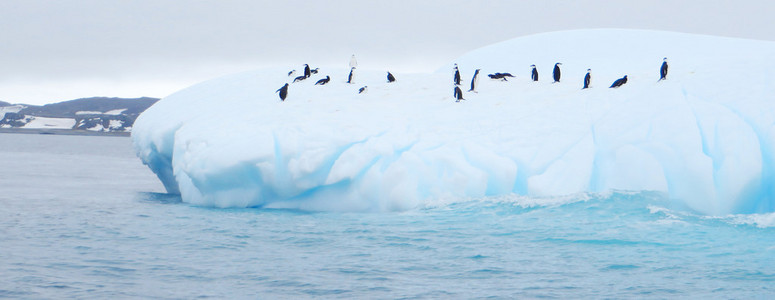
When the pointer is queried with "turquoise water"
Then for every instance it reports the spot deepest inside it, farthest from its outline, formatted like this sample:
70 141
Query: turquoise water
81 217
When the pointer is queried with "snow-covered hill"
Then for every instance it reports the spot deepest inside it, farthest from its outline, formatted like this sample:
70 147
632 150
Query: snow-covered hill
705 136
96 114
4 109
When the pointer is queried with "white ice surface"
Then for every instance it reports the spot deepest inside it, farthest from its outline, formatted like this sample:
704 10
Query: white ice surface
88 112
115 124
50 123
115 112
705 136
10 109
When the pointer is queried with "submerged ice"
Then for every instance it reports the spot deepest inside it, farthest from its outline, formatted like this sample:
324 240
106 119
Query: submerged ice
705 136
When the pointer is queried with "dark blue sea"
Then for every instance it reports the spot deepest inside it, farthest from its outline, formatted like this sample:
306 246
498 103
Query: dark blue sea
81 217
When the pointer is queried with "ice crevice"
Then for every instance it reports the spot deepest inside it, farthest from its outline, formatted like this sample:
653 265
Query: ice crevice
759 196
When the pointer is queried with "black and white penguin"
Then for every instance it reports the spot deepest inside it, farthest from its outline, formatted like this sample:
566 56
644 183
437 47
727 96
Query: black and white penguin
323 81
556 72
457 75
291 73
534 73
363 89
299 78
587 78
353 62
350 77
619 82
283 92
501 76
307 71
474 81
663 70
458 94
390 77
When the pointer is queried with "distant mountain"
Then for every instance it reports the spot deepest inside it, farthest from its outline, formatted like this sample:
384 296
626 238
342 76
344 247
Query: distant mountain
69 109
96 114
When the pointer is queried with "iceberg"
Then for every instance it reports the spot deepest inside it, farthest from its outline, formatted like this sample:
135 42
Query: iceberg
705 136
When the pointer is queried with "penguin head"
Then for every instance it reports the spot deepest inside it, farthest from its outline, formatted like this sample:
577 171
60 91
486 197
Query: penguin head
558 64
664 59
533 66
589 70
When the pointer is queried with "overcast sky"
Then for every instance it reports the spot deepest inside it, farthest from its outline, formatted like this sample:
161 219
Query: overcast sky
55 50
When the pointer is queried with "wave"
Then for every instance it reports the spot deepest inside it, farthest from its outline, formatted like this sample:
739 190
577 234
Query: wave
765 220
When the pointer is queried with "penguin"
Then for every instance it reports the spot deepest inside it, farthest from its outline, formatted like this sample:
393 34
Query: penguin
323 81
307 71
474 81
619 82
587 78
500 76
291 73
390 77
534 73
283 92
458 94
350 77
314 71
363 89
353 62
457 75
663 70
556 72
299 78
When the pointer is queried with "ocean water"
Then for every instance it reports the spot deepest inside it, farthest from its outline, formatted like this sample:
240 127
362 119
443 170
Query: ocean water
81 217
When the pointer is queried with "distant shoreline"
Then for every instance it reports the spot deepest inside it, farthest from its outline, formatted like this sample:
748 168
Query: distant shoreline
62 132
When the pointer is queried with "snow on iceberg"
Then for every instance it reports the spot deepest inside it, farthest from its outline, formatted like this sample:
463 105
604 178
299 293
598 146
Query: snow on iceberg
705 136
